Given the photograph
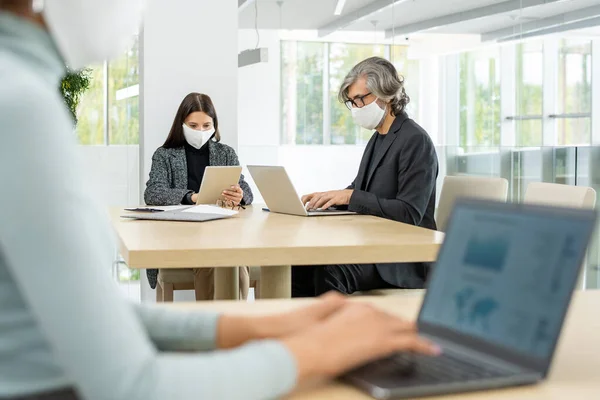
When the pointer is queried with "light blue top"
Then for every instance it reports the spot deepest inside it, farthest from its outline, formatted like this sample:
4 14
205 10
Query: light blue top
63 322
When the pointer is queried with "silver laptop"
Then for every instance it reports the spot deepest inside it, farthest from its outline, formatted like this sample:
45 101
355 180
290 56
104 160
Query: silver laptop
495 304
279 193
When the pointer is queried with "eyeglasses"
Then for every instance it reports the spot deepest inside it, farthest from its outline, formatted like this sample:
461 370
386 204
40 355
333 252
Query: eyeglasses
357 102
229 204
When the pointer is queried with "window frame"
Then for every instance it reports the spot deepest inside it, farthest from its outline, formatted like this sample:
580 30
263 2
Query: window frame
564 116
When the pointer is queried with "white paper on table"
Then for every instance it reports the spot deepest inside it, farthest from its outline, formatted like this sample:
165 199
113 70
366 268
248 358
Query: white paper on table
170 208
206 209
163 208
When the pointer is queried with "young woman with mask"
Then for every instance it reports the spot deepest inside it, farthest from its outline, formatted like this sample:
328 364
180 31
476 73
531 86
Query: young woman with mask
178 166
396 180
65 331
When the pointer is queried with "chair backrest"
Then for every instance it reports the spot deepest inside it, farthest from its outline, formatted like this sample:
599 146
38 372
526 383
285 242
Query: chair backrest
456 187
554 194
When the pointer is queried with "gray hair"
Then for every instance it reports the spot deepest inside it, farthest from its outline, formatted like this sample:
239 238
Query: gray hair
382 80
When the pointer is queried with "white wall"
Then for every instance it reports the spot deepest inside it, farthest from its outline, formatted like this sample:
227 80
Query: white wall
259 105
186 46
114 173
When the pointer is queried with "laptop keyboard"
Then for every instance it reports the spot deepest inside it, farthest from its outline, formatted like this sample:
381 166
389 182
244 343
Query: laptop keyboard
431 370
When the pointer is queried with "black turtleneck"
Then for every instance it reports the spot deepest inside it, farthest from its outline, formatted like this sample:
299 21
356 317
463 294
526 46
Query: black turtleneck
197 161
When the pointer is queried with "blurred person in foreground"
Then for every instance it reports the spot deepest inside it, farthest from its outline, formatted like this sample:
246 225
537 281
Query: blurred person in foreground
395 180
65 331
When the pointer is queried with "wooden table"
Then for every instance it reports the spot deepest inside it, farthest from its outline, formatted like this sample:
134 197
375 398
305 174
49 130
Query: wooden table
576 369
272 241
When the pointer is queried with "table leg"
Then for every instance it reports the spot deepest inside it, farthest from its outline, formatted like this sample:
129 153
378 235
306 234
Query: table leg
276 282
227 283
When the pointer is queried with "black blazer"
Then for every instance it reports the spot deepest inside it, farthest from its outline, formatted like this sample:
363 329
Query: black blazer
400 187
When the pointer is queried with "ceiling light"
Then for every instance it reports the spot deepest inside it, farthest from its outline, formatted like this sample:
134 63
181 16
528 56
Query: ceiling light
254 56
339 7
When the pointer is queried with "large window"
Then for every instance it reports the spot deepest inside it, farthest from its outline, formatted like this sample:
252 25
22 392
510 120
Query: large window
302 92
123 98
479 100
90 112
409 70
109 111
311 75
543 87
574 123
529 70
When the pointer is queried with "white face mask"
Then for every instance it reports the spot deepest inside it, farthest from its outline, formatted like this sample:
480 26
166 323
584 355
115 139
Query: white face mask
369 116
91 31
195 138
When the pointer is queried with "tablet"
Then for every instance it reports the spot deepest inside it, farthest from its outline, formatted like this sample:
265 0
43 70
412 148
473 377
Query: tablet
215 180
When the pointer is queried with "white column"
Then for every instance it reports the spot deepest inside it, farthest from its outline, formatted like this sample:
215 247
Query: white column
508 99
187 46
549 106
471 85
438 130
450 119
593 275
508 90
326 98
596 92
429 97
550 90
451 94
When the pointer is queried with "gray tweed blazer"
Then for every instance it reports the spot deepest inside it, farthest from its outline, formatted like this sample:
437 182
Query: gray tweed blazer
168 179
168 176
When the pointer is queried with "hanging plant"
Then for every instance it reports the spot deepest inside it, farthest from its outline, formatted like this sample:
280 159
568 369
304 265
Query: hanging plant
73 86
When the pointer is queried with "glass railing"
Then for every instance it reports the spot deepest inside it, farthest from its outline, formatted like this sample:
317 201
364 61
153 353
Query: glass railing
578 166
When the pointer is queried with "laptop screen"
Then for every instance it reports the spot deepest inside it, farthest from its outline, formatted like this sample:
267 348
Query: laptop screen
505 275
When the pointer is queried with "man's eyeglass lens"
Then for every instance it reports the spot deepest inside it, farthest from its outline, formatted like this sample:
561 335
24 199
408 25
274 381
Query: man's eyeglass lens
358 102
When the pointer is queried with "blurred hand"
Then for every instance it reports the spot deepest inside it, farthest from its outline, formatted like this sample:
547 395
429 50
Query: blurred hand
306 317
234 331
324 200
355 335
234 194
194 198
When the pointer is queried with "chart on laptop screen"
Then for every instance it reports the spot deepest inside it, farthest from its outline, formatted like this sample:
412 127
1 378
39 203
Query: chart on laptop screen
505 277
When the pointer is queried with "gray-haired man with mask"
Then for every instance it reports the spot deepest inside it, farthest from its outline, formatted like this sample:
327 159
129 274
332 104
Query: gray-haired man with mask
396 180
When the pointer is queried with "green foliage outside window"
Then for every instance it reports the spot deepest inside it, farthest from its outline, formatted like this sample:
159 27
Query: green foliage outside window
480 115
124 110
90 113
302 92
113 96
479 101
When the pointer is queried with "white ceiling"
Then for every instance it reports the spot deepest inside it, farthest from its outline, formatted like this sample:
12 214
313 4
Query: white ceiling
516 18
589 31
316 14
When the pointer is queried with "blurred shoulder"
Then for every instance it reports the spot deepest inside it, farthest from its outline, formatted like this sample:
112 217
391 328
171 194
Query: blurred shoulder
31 108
